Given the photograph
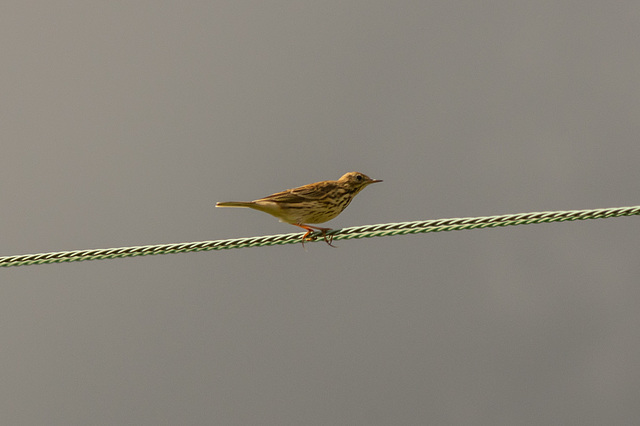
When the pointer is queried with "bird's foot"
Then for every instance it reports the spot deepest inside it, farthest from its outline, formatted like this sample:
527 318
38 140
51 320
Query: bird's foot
309 236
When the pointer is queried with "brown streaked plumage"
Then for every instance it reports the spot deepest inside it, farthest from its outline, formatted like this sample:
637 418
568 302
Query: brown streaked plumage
314 203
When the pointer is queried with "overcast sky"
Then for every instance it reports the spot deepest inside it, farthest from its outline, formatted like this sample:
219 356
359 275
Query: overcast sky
124 122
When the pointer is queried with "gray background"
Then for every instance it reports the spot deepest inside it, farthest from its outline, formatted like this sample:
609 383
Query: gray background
124 122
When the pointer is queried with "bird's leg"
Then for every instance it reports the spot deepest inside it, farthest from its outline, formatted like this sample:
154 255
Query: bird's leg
305 236
310 229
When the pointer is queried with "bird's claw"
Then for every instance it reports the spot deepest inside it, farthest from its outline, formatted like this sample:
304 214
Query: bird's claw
313 236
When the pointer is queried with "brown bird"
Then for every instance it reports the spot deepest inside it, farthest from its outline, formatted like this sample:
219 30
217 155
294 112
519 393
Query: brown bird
314 203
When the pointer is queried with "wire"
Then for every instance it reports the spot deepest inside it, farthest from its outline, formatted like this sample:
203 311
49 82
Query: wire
367 231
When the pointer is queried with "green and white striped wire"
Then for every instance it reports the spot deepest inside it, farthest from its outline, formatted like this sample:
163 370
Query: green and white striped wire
367 231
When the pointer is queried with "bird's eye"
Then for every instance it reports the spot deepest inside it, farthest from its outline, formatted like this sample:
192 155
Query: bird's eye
359 178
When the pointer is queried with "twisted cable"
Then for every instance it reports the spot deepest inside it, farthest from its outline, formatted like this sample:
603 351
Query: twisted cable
356 232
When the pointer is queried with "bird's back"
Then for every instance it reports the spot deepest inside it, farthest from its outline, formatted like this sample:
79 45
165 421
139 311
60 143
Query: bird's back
312 192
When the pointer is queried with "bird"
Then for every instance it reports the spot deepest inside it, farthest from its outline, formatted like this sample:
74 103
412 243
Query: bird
313 203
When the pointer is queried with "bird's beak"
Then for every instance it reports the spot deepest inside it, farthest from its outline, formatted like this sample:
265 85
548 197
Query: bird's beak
375 180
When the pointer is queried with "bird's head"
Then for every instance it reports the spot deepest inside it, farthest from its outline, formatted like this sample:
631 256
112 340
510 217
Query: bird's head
356 181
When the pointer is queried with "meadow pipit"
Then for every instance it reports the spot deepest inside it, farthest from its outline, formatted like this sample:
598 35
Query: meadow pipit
314 203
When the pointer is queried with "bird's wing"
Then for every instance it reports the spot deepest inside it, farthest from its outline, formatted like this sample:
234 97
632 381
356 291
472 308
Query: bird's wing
314 191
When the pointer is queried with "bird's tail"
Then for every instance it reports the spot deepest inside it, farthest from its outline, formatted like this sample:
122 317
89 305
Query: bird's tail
249 204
